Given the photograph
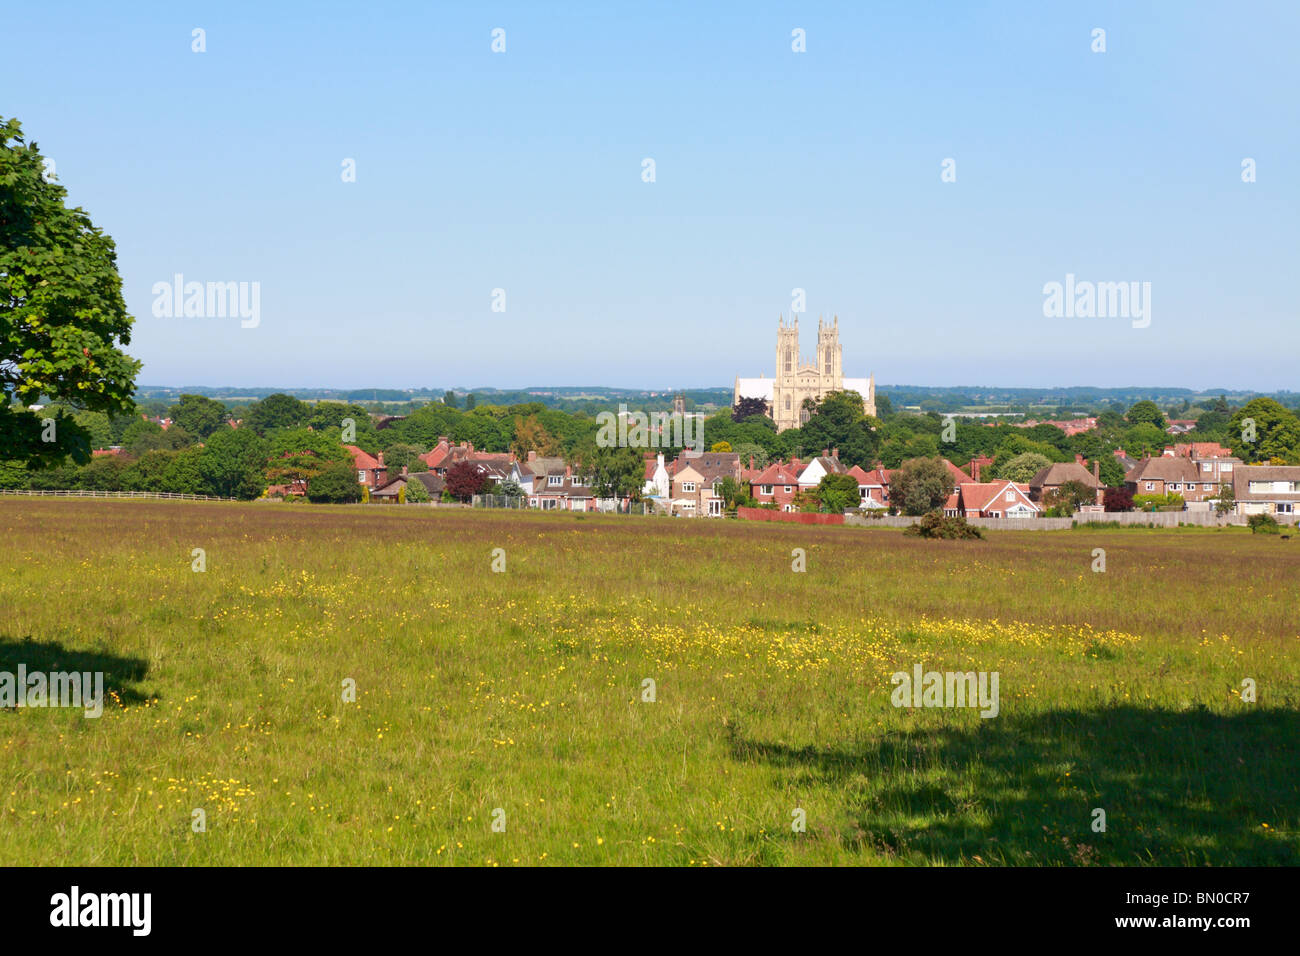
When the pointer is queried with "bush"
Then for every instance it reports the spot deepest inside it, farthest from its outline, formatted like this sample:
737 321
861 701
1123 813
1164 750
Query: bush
337 484
935 525
1263 524
1117 499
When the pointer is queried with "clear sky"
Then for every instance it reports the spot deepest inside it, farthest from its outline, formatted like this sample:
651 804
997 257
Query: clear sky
774 170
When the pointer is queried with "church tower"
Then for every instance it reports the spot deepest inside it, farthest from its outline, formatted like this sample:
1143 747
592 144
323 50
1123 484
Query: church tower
785 409
829 358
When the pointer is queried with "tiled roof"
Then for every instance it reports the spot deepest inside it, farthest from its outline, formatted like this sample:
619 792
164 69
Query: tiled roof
1164 469
361 459
1061 472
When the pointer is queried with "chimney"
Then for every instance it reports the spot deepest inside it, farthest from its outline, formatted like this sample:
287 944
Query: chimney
470 446
1078 459
1096 469
751 462
826 452
835 453
381 459
568 471
974 468
405 472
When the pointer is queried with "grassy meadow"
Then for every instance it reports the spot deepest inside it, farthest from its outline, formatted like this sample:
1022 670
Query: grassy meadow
522 690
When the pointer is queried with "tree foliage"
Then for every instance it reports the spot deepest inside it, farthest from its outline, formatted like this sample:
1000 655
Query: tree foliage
920 485
62 316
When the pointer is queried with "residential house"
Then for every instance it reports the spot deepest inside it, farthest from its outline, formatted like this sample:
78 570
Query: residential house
658 483
994 499
560 490
444 454
827 463
777 484
371 471
1267 489
1050 479
696 486
873 487
1197 479
390 492
533 472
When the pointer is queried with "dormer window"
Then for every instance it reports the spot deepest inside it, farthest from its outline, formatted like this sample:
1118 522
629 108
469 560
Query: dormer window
553 480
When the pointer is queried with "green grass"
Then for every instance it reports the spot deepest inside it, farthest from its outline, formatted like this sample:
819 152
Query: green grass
522 691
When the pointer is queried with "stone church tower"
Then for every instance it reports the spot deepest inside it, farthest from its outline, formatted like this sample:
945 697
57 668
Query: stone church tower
797 381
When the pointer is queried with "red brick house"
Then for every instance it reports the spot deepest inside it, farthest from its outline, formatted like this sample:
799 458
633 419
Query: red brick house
371 471
777 484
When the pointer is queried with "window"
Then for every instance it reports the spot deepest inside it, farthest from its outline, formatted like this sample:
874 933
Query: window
764 489
361 475
1225 466
1011 496
788 357
787 489
1285 508
1151 485
1206 466
548 504
688 487
787 403
1175 486
552 480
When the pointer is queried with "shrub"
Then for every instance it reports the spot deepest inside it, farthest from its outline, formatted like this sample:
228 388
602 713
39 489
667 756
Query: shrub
1263 524
1117 499
337 484
936 525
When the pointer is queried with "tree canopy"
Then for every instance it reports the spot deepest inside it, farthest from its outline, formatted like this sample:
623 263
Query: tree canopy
63 320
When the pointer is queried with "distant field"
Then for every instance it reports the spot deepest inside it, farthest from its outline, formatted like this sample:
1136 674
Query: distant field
522 691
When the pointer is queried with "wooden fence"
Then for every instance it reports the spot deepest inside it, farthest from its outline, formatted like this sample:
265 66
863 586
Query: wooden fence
66 493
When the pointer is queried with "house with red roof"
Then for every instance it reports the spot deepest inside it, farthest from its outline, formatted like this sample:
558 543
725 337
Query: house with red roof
777 484
873 487
444 454
994 499
371 471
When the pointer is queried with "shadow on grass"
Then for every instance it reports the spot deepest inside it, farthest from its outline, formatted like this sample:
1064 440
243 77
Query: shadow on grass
120 673
1178 788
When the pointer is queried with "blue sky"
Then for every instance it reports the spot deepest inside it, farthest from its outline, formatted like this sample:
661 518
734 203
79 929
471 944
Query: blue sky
775 170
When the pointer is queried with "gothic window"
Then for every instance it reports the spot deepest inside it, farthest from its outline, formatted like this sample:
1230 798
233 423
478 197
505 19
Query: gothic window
787 403
829 364
788 360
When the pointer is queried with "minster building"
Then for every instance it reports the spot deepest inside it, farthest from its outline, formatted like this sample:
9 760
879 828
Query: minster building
797 380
